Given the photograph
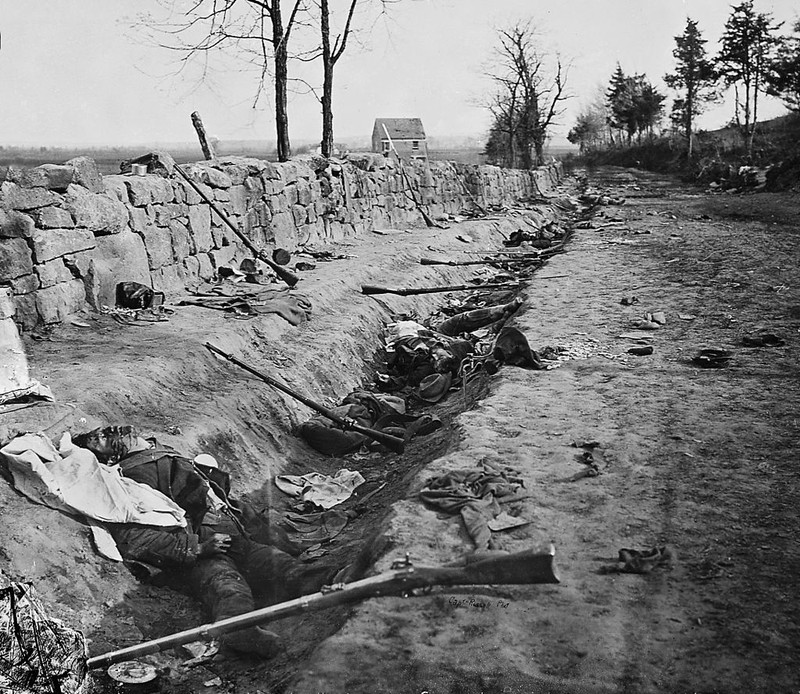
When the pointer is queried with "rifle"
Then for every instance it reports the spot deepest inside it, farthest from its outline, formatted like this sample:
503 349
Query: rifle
372 289
393 443
484 261
287 276
521 568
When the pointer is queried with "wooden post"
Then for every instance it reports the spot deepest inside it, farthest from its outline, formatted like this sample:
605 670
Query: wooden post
205 145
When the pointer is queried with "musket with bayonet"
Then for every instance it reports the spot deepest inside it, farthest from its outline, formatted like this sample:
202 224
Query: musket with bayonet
489 568
393 443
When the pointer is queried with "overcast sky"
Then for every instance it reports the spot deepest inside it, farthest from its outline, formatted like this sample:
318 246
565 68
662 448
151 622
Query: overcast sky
72 71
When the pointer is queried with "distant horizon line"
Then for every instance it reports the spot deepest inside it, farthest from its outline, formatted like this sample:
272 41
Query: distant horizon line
193 143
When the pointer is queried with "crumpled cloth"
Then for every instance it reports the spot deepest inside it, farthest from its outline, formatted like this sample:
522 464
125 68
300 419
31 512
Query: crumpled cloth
291 306
73 481
323 490
473 494
313 528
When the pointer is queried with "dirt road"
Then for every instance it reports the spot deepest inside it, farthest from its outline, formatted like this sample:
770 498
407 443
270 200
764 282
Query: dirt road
699 460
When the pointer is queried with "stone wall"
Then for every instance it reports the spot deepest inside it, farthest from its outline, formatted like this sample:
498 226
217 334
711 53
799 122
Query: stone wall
68 234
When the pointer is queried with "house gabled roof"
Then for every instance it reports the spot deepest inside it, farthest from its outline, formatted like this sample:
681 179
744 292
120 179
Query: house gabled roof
399 128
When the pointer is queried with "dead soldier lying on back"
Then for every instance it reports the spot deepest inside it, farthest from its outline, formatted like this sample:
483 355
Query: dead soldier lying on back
227 555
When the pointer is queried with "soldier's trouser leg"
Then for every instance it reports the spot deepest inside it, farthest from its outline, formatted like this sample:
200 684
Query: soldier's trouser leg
275 576
221 587
225 593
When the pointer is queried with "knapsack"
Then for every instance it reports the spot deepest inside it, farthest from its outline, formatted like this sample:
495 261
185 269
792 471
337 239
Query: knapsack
38 654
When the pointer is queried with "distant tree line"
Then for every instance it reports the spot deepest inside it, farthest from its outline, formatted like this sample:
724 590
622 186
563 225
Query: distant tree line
753 60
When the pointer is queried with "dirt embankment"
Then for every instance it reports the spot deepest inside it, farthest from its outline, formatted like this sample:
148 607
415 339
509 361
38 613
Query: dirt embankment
700 460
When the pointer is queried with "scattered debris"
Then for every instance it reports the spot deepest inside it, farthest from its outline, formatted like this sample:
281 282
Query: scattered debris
644 561
712 358
763 340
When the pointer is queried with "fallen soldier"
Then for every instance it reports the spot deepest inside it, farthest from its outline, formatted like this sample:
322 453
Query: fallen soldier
226 554
477 318
386 413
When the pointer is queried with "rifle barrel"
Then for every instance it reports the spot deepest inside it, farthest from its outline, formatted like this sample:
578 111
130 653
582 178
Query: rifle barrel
373 289
394 443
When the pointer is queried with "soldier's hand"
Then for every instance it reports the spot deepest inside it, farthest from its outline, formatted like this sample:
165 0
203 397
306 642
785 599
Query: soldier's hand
218 543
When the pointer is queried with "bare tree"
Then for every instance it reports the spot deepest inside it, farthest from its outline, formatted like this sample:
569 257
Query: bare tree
529 90
255 32
331 51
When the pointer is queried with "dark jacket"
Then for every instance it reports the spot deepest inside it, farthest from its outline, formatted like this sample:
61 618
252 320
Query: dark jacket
177 478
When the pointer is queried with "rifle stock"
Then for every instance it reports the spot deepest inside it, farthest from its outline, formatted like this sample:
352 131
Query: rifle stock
286 275
522 568
374 289
393 443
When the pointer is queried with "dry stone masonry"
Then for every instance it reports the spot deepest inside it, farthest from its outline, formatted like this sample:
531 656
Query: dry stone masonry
68 234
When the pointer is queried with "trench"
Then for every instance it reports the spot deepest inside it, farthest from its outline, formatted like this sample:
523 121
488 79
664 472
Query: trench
165 380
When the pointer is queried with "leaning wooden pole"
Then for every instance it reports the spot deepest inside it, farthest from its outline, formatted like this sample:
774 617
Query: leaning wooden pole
205 145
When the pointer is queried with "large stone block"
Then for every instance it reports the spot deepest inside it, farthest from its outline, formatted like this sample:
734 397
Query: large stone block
284 230
13 197
53 218
162 215
139 218
238 198
15 225
25 284
237 172
50 176
114 186
86 174
53 272
150 189
25 314
290 191
200 227
206 269
55 303
254 187
279 203
303 192
56 243
270 172
210 176
191 266
15 259
290 171
158 243
168 279
118 258
181 240
97 212
57 176
300 215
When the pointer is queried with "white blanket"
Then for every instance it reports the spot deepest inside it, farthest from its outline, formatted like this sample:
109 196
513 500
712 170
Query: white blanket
73 481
